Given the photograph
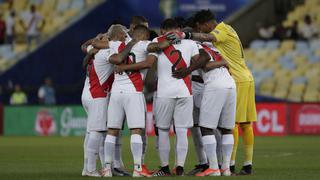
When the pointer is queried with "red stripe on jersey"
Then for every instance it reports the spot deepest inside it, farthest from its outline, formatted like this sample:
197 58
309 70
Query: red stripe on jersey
216 56
135 77
173 58
96 89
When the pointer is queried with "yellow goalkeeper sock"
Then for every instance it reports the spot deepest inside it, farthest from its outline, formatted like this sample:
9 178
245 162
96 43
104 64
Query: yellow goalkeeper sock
248 141
235 145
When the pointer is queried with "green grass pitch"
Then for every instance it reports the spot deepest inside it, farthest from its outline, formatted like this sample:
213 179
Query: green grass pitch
293 157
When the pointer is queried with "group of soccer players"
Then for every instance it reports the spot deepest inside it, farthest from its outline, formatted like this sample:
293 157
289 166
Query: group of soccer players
203 85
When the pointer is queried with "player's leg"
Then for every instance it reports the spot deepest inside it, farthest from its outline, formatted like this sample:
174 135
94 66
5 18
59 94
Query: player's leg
163 115
246 127
211 107
115 120
241 116
85 107
197 138
226 124
135 110
101 148
117 164
218 135
183 120
97 119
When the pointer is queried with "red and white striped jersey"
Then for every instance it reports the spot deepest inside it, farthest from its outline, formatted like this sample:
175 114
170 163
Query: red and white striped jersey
99 76
171 58
219 77
131 81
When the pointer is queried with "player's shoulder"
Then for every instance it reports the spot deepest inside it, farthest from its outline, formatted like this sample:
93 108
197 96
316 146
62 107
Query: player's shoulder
114 44
188 43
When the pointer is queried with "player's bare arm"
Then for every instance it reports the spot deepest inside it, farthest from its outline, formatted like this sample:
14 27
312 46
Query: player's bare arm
215 64
158 46
147 64
118 58
203 37
85 45
88 56
197 61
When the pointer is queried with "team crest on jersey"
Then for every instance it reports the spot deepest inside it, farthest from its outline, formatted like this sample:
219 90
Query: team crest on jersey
216 31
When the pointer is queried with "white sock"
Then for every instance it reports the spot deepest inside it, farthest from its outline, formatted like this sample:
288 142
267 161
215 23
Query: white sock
85 143
136 150
182 145
218 136
164 146
145 143
227 145
117 161
109 147
209 143
93 150
198 145
101 149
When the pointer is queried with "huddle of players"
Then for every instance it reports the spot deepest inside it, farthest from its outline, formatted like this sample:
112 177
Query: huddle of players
203 102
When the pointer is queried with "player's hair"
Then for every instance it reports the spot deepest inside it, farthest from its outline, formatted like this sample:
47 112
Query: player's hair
181 21
141 29
169 24
204 16
114 30
190 22
136 20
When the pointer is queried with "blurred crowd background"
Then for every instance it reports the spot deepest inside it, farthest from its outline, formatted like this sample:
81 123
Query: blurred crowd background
40 57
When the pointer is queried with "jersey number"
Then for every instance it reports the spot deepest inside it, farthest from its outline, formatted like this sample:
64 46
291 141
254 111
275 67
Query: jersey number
177 60
133 59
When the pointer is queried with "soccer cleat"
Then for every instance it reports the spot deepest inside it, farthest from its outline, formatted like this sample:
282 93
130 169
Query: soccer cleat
83 173
144 167
120 172
246 170
106 172
163 171
198 168
209 172
179 171
225 172
233 169
174 171
91 174
142 173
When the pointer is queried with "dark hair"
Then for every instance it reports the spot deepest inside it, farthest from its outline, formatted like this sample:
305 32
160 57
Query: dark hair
141 28
169 24
181 21
153 35
204 16
190 22
136 20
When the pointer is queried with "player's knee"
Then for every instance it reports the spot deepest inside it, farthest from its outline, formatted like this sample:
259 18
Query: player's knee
113 132
196 125
225 131
245 125
136 131
206 131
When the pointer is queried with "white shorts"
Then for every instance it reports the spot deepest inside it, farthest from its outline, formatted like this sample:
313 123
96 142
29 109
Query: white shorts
132 106
218 109
97 110
197 98
177 111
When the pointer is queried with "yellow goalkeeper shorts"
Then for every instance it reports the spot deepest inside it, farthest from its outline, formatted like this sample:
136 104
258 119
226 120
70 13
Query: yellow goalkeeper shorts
246 105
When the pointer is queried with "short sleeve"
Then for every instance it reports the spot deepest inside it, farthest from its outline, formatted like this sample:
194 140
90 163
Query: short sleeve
105 54
219 35
195 49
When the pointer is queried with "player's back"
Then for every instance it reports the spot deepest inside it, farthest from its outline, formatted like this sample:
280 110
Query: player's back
219 77
168 60
99 75
131 82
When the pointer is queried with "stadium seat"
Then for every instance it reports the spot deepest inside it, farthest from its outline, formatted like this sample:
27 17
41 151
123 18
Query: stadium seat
257 44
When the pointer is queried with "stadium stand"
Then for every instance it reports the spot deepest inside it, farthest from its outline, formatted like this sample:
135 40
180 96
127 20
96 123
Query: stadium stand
288 69
65 10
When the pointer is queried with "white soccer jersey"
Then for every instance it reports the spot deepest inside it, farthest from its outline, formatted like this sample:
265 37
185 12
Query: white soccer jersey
99 76
131 82
180 55
216 78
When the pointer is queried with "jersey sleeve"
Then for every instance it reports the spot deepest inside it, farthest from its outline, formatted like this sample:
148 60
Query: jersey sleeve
195 49
219 34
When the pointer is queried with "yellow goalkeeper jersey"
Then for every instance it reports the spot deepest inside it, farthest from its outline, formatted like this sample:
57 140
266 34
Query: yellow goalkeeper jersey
230 47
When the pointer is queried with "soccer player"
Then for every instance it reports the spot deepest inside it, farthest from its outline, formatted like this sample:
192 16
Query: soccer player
174 102
226 40
95 98
127 99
